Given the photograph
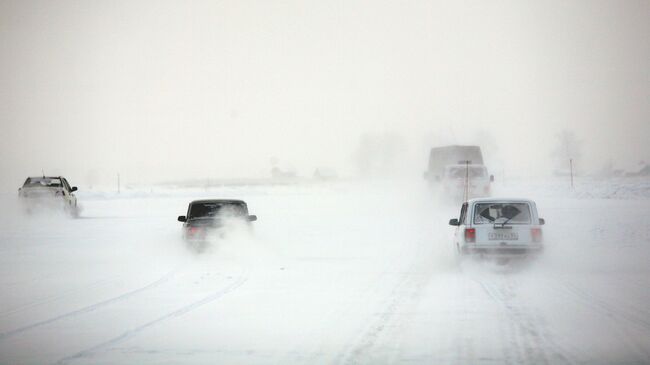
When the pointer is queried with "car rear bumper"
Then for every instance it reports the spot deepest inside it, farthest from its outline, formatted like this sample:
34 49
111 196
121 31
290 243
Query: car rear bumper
43 201
502 251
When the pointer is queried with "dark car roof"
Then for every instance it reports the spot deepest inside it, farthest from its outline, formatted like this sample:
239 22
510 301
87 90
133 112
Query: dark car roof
217 201
229 201
43 177
31 179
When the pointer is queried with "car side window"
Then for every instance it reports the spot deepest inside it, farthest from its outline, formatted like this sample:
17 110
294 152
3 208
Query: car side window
463 214
66 185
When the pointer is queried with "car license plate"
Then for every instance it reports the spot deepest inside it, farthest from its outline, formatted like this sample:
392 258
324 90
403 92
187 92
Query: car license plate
503 236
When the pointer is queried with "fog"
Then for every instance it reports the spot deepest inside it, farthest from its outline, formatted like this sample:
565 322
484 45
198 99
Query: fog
321 117
163 91
338 272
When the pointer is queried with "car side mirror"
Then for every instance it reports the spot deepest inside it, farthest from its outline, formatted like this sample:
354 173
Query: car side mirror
454 222
252 218
74 188
182 218
542 221
491 178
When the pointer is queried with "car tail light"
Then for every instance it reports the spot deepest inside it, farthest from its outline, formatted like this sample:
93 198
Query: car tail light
193 230
536 234
470 235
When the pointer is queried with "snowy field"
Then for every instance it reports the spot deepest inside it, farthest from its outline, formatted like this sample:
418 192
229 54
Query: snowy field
339 273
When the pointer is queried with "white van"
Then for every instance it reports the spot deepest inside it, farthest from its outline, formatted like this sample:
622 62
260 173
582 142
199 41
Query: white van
498 227
441 156
478 180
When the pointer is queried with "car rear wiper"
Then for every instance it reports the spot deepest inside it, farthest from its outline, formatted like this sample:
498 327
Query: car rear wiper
502 225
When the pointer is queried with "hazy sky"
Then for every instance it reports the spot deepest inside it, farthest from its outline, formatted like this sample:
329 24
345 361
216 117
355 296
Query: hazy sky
167 90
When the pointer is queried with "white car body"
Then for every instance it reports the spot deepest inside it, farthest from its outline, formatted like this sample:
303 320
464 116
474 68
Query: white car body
53 192
498 227
454 177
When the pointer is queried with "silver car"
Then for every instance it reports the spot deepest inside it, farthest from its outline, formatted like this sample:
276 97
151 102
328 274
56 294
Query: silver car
40 192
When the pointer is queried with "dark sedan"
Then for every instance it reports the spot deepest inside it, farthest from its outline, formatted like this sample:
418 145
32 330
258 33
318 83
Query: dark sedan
204 216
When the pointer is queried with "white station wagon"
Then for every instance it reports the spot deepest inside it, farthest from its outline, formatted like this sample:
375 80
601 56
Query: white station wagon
498 227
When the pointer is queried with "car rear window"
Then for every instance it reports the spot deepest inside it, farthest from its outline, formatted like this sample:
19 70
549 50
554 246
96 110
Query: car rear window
42 181
502 212
461 172
214 209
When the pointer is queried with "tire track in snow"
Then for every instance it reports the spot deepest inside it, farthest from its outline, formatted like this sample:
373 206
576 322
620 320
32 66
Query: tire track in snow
530 341
374 327
612 312
407 288
141 328
297 354
608 310
24 282
89 308
54 297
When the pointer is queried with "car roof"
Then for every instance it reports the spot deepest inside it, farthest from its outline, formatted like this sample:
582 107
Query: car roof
465 165
32 179
227 201
497 200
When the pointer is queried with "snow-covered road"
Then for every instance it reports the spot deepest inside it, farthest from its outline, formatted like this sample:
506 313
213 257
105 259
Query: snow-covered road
332 274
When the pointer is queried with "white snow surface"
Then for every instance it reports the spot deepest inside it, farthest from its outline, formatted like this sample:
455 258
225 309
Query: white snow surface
334 273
